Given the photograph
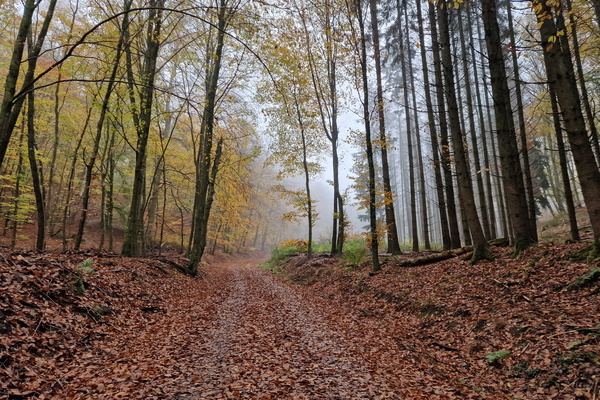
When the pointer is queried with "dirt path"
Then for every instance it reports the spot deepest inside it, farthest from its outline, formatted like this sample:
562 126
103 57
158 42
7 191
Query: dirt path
243 333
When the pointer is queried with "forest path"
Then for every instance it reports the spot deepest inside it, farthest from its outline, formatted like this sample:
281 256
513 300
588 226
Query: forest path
243 333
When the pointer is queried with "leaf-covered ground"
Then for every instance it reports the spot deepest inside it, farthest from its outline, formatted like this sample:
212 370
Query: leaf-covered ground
113 328
506 329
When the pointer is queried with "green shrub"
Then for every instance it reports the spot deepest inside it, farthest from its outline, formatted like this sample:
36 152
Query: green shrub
278 254
354 251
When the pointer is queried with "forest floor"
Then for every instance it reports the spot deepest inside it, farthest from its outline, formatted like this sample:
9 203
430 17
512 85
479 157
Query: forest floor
98 326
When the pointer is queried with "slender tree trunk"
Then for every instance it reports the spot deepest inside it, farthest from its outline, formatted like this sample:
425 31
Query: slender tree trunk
512 174
561 76
585 98
562 154
441 201
36 172
204 183
38 191
463 175
412 181
522 130
444 142
369 144
134 242
309 202
422 191
486 171
393 245
17 196
474 134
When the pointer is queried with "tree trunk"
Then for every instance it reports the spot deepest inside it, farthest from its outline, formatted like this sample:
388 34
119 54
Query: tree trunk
441 201
422 192
463 175
446 159
561 76
393 245
562 154
206 166
512 174
471 117
526 171
369 145
487 170
585 98
412 181
134 241
36 174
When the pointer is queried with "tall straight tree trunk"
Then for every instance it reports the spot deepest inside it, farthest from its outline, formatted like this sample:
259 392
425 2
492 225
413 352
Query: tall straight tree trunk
368 143
444 142
561 76
564 172
393 245
585 98
522 130
512 174
412 181
207 166
441 201
486 171
309 202
17 193
465 187
422 192
36 178
474 134
134 241
494 153
329 117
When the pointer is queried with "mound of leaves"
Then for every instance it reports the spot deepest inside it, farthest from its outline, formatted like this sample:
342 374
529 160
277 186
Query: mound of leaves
524 328
54 308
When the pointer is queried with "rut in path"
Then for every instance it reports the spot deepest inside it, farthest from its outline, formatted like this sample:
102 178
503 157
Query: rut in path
243 333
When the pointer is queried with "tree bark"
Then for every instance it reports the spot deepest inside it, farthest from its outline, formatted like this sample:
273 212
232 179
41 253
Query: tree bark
585 98
368 143
422 191
444 142
441 201
561 76
412 181
134 241
526 171
393 245
207 166
465 187
562 154
474 135
512 174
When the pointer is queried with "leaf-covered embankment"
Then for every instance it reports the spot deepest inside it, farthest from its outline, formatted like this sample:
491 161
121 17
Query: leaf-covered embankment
525 328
